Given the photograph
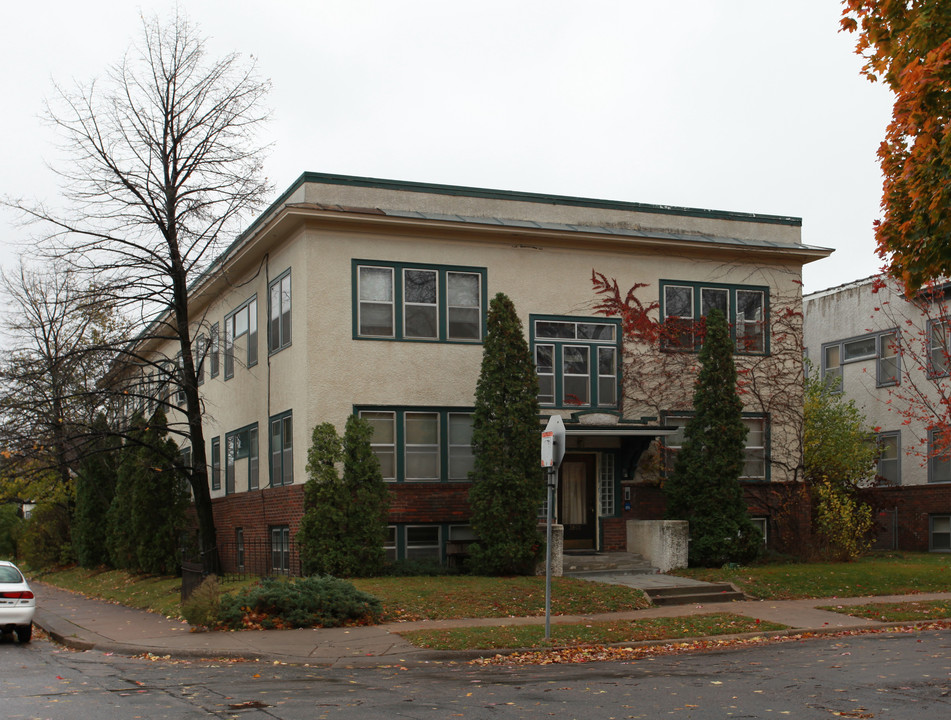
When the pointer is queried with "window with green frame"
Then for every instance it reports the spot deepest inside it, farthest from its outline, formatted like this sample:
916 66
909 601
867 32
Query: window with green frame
421 444
411 301
282 449
755 450
241 445
576 360
683 305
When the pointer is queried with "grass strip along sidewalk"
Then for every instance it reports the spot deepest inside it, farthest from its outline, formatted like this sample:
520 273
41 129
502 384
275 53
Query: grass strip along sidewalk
591 633
897 612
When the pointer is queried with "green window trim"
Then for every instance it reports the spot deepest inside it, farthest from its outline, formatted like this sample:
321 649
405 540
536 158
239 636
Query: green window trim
577 360
421 444
216 463
240 444
683 304
279 312
241 322
441 542
754 452
418 302
281 449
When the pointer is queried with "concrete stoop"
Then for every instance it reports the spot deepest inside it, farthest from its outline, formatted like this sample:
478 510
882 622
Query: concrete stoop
592 565
694 594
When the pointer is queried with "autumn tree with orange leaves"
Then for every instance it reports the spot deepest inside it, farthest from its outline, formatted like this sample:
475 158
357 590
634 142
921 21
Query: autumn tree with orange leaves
907 45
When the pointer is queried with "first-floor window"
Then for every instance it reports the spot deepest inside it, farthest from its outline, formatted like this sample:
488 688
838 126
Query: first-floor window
216 463
281 549
939 458
761 524
940 532
755 449
241 449
282 450
422 444
889 459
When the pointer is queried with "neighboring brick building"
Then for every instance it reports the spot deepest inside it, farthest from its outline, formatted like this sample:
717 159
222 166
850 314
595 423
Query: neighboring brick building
890 356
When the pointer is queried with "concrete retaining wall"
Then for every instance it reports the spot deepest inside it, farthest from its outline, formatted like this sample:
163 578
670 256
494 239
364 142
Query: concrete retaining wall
661 542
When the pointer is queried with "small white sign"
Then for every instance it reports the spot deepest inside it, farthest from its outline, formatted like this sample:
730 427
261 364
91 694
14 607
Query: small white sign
548 449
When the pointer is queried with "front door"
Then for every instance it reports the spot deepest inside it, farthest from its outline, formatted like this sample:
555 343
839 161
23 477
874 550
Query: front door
577 501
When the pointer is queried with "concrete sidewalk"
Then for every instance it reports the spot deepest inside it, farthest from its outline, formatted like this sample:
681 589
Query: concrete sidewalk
86 624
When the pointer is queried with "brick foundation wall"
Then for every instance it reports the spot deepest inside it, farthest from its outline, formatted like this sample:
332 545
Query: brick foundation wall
785 505
903 513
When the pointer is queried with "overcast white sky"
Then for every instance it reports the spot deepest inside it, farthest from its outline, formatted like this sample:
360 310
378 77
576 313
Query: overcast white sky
742 105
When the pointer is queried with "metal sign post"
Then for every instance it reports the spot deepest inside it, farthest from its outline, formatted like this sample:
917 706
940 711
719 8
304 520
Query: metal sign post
553 450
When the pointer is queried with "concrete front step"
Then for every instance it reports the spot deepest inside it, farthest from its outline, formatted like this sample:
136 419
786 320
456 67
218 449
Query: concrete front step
601 564
695 594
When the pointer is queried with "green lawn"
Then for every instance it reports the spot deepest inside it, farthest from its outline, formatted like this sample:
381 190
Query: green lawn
593 633
404 598
897 612
875 574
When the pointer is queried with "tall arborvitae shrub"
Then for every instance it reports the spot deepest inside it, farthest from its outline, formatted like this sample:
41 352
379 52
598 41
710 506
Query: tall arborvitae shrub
95 483
508 486
159 499
344 523
704 487
120 535
147 514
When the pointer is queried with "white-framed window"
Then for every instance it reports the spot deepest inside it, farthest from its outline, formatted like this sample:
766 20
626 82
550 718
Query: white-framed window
576 361
282 449
421 444
939 533
241 324
279 313
404 301
889 457
685 304
607 506
761 524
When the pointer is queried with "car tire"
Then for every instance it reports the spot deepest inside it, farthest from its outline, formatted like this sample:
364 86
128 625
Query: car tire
24 633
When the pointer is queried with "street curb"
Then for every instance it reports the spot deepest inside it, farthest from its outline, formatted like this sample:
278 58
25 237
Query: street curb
427 657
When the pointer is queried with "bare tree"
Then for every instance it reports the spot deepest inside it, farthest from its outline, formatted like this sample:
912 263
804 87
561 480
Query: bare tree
61 345
163 166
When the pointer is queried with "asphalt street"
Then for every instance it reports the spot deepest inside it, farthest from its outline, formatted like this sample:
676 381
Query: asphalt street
900 676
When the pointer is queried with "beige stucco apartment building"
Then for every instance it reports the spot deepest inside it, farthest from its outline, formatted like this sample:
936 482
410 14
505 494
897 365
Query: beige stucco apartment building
358 295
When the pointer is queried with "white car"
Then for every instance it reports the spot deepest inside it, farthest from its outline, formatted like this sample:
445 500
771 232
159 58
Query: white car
17 602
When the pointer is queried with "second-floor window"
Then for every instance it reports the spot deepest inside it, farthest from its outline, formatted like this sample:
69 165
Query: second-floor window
279 313
685 304
576 361
418 302
241 329
882 347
